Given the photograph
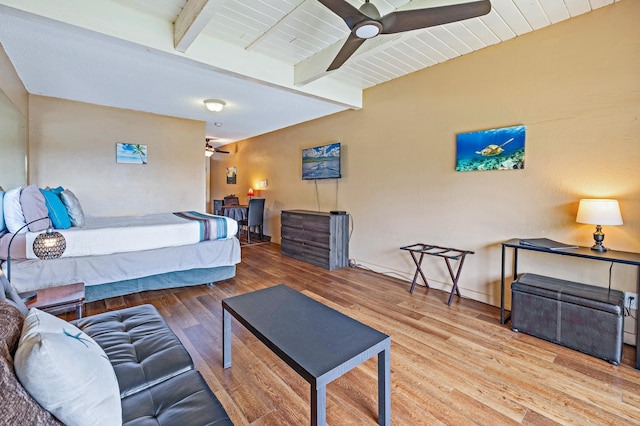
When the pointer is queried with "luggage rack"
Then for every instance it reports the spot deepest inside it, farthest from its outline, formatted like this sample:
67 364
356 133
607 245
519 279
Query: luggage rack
447 253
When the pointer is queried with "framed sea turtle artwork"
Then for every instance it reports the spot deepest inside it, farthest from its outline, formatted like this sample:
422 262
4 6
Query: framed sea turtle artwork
493 149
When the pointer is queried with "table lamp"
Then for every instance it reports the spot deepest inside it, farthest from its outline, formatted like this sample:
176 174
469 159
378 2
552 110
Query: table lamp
250 193
599 212
47 245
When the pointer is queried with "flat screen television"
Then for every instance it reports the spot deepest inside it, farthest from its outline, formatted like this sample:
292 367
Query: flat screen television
321 162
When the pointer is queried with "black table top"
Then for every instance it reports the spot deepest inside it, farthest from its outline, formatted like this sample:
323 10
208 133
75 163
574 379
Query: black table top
616 256
310 337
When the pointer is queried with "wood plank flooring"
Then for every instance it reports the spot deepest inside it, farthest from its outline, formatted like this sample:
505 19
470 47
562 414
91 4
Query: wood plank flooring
450 365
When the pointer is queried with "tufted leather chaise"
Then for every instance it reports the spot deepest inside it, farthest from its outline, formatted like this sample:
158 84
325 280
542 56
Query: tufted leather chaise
158 384
157 381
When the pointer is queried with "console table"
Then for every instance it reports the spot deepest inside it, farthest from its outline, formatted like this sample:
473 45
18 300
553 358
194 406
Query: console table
614 256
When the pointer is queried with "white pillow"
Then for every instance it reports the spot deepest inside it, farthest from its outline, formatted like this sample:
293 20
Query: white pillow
67 372
13 217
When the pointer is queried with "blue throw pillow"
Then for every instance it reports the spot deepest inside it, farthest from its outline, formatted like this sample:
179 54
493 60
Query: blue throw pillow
57 190
57 211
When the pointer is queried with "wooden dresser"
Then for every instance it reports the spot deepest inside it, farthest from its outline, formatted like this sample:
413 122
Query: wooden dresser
319 238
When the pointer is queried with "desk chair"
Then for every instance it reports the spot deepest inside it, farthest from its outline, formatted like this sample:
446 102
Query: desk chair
217 207
231 200
255 217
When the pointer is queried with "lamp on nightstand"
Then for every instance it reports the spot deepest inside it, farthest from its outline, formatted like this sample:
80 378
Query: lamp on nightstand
599 212
47 245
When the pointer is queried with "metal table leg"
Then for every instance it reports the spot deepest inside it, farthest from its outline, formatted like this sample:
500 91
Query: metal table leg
455 277
226 338
318 406
418 271
384 386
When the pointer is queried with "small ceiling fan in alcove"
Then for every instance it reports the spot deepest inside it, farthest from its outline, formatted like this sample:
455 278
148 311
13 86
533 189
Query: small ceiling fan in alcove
210 150
366 22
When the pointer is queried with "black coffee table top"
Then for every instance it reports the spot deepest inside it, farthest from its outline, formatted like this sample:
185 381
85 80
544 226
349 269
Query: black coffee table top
310 337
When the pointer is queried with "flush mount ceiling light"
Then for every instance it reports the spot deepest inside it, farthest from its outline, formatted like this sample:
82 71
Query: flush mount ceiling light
214 105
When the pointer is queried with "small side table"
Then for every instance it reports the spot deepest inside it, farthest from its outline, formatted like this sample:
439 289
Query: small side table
61 298
447 253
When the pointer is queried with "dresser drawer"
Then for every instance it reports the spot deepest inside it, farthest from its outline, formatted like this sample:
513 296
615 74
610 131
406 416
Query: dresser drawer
305 252
304 235
311 223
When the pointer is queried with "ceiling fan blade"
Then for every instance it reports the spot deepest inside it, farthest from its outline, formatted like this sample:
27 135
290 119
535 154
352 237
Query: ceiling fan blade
212 149
348 48
408 20
349 14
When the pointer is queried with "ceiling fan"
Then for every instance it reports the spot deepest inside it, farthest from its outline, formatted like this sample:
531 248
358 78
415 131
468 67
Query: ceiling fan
366 22
210 150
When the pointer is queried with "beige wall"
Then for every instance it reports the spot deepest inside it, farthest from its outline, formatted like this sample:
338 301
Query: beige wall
574 86
14 101
73 144
11 84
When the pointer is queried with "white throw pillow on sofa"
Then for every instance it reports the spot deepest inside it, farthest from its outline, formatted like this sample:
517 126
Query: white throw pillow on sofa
67 372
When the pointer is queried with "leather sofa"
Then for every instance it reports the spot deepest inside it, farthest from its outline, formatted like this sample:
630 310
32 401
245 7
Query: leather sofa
155 373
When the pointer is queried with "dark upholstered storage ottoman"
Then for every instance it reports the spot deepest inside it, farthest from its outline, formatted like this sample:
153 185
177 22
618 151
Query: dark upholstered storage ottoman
579 316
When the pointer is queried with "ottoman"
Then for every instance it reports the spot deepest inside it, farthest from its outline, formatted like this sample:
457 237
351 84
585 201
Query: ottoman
579 316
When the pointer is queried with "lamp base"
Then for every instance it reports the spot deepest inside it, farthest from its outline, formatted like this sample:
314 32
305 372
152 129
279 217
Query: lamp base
599 248
598 237
28 296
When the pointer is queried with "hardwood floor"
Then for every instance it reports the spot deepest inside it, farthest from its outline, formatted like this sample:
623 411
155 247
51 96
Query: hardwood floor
449 365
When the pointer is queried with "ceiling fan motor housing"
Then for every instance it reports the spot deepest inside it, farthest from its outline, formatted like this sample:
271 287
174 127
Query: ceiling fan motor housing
370 10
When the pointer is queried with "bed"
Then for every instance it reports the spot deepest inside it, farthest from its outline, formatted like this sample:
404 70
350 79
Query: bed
115 256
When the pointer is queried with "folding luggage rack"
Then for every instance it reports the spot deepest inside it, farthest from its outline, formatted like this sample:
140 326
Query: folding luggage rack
447 253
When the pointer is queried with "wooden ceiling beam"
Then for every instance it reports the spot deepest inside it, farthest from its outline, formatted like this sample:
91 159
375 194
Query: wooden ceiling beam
194 17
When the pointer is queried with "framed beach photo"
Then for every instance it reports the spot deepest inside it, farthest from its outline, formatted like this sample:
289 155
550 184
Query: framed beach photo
493 149
130 153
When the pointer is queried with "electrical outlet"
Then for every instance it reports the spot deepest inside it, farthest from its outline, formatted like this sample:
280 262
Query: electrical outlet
634 301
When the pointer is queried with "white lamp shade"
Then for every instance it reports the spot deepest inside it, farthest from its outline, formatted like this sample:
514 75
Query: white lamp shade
599 212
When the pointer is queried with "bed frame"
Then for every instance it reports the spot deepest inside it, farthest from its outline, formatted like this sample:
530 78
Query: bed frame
191 277
118 274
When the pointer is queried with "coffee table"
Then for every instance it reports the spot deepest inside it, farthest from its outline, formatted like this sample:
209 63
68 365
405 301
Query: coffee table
318 342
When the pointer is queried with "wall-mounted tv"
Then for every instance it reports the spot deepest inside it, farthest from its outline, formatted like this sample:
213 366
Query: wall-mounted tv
321 162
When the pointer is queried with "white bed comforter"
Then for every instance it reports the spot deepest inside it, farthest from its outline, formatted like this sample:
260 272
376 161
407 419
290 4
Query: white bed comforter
108 235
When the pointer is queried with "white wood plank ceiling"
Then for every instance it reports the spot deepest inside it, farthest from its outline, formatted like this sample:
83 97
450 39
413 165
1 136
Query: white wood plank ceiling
167 56
293 31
